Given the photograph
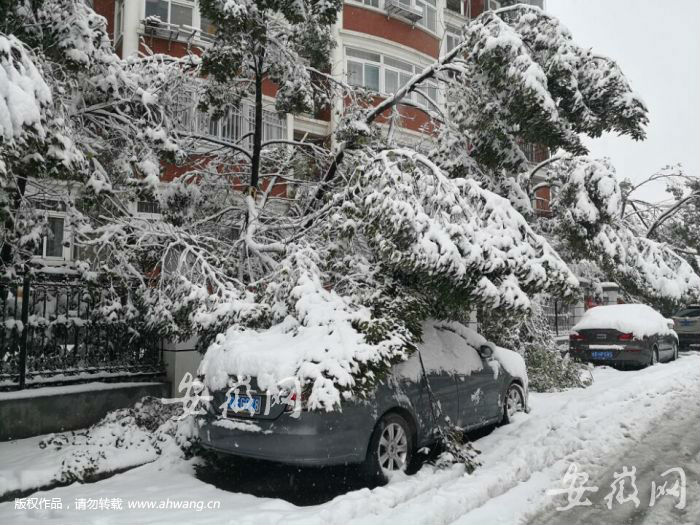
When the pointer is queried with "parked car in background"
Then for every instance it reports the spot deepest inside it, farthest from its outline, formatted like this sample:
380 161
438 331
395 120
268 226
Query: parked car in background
687 325
624 335
475 383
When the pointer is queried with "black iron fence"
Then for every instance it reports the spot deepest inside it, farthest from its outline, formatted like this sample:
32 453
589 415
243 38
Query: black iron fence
561 316
56 330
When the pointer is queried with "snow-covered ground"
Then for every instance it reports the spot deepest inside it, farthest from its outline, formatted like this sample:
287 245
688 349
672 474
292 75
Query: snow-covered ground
595 428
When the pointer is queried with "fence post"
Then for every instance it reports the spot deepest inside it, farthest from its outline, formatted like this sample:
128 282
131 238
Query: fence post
556 317
25 330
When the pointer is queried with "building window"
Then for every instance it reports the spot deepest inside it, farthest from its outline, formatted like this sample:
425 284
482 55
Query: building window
456 6
492 5
176 12
452 38
429 20
151 207
236 123
386 75
52 244
371 3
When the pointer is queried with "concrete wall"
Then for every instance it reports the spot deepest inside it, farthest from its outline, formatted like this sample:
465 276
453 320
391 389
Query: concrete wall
180 358
38 411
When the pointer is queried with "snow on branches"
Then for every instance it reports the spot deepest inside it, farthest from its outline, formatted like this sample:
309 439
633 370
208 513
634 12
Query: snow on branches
588 219
24 95
521 77
453 233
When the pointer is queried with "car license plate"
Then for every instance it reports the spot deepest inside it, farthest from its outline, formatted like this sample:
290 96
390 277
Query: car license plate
601 355
243 404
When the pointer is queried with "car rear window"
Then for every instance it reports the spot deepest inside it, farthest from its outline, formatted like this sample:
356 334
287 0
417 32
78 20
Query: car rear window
689 312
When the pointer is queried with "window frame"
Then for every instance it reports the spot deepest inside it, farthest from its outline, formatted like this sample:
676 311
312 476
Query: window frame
192 4
385 67
51 212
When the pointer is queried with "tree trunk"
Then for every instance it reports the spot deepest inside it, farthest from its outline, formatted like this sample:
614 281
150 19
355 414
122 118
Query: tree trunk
257 134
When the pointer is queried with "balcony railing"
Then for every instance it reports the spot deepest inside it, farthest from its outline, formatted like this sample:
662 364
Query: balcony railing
404 9
155 27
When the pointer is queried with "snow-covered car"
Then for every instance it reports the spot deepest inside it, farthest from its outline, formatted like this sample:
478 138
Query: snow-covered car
624 335
687 325
474 382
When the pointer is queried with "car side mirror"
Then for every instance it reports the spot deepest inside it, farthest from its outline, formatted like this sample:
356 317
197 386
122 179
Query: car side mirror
485 351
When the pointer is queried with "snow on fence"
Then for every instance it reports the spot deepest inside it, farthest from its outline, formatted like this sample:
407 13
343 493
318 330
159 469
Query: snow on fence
71 331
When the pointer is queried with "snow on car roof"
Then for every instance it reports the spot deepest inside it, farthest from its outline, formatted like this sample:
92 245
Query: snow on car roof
638 319
453 347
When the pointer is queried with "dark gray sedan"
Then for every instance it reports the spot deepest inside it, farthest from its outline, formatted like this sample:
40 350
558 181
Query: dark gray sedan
472 387
687 326
623 335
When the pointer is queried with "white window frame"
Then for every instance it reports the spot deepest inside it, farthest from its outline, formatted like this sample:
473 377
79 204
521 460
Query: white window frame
492 5
385 67
194 5
240 119
461 8
455 37
428 6
54 214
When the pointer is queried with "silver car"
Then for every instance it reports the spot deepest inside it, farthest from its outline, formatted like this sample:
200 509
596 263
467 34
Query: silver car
383 432
687 326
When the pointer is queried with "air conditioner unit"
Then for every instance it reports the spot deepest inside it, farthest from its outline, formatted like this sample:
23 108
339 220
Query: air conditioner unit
399 9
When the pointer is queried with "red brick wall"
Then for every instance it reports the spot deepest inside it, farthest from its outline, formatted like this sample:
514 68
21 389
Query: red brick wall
411 117
167 47
543 197
477 7
106 9
172 171
377 24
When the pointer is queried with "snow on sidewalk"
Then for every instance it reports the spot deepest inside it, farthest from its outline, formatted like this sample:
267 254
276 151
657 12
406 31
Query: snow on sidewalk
521 462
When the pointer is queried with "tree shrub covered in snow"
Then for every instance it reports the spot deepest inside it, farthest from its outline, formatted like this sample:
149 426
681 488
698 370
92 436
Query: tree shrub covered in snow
324 259
394 236
532 336
591 225
125 438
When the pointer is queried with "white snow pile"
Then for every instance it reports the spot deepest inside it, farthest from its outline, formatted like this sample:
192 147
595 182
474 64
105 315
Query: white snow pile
124 438
638 319
318 345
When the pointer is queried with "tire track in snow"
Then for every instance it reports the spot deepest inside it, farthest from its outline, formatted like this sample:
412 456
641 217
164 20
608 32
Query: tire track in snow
585 426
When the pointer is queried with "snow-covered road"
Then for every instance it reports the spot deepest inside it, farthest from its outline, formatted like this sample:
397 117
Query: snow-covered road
614 423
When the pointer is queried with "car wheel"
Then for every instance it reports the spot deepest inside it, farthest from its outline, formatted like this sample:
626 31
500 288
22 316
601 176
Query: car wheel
654 356
390 448
514 402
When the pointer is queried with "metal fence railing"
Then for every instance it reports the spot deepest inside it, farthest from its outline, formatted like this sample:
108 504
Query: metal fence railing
561 316
57 330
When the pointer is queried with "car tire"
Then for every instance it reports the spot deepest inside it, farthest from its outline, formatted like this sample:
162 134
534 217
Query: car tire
654 356
391 448
513 402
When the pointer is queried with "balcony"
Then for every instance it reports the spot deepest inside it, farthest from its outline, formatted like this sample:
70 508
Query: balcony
404 9
153 26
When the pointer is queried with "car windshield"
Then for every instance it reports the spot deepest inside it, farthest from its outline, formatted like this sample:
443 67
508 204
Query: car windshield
692 311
